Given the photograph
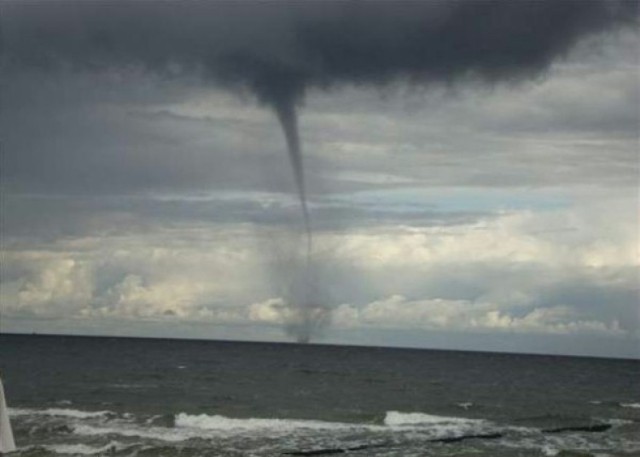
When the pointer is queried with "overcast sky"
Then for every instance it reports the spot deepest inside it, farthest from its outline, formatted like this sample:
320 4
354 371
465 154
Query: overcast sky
472 173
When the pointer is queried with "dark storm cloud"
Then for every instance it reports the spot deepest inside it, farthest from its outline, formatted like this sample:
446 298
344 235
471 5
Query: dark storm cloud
279 49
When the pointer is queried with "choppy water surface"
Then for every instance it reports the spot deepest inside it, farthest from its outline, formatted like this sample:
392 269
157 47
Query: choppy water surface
140 397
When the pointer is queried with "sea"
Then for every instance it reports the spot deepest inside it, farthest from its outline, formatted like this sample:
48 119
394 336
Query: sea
103 396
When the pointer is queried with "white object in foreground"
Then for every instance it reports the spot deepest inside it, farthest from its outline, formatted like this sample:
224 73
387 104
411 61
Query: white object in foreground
6 435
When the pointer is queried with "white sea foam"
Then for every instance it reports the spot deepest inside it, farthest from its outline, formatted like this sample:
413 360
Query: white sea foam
630 405
616 422
130 430
57 412
396 418
222 423
211 426
204 426
82 449
393 420
150 420
549 450
433 427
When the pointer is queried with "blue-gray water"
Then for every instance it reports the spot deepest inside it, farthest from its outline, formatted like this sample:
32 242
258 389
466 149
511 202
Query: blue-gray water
147 397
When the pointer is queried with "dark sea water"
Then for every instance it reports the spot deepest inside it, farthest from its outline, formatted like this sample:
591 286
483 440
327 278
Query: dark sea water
146 397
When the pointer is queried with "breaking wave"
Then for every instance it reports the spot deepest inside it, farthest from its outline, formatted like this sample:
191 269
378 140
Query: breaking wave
630 405
103 432
222 423
396 418
62 412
